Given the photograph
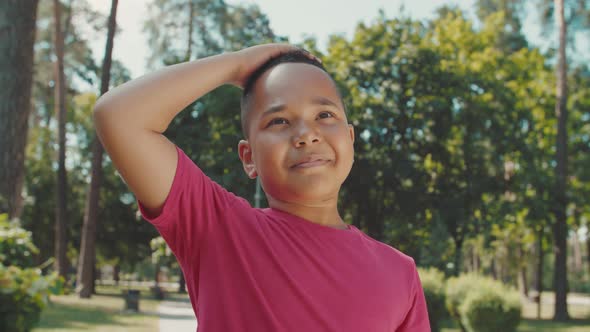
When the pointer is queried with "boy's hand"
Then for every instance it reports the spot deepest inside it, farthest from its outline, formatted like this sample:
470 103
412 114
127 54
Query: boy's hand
249 59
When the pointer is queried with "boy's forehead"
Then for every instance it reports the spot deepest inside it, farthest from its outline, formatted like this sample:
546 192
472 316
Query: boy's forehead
292 82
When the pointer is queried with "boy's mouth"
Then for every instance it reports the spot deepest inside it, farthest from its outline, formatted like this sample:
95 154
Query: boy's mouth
311 161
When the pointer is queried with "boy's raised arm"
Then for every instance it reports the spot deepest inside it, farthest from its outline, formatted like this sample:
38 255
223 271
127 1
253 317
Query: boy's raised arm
131 118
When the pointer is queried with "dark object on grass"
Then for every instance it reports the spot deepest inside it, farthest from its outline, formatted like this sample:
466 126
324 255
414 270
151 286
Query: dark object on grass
158 292
132 300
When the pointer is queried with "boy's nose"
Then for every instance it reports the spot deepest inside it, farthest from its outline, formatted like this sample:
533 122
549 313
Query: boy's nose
305 136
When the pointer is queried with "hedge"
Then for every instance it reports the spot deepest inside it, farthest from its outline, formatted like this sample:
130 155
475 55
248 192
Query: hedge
24 291
433 283
481 304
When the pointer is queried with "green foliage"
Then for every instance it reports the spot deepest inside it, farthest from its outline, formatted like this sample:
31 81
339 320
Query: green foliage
481 304
23 291
161 253
511 37
23 294
182 30
16 245
39 206
439 111
433 283
491 309
457 289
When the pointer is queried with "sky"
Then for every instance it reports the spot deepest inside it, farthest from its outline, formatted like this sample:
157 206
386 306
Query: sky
294 19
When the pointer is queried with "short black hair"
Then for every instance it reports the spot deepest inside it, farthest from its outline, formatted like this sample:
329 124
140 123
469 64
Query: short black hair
295 56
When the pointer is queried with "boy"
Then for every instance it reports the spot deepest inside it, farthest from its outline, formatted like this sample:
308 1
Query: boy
295 266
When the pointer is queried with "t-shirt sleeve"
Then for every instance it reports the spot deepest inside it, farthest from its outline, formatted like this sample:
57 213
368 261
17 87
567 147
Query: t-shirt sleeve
416 319
194 206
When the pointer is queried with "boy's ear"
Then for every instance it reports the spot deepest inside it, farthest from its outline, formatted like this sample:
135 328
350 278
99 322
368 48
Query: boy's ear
351 131
245 153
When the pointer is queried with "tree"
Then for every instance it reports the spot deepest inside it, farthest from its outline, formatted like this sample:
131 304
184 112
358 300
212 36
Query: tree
61 111
533 173
440 113
578 105
40 180
87 260
560 225
177 27
121 236
511 38
569 17
391 95
16 64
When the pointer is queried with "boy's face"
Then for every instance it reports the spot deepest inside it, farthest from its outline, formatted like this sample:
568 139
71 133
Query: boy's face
300 143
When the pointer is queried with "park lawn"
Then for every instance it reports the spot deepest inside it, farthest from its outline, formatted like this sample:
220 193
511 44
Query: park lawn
530 325
102 312
580 315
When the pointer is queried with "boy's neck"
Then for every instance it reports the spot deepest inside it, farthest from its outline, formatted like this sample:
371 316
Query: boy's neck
325 214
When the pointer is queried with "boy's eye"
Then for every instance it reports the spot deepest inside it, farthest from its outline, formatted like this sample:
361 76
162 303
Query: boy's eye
277 121
325 115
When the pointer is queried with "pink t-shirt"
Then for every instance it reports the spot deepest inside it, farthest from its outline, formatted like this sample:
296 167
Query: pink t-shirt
249 269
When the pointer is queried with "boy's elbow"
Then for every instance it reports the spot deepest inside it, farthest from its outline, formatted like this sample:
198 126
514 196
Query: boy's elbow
101 114
98 113
100 106
104 109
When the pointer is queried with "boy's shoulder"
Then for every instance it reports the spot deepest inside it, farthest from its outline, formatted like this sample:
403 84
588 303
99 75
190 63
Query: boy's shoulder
391 254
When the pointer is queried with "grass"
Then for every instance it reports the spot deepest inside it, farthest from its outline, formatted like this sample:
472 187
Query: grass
102 312
580 318
530 325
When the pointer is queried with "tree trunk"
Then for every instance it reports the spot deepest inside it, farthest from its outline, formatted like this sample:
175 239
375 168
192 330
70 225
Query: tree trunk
182 283
60 108
17 27
191 14
116 270
157 275
560 226
96 275
493 269
374 223
539 277
458 247
88 242
588 253
576 252
522 273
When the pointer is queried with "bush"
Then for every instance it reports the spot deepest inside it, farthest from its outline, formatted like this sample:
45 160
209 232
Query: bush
433 283
491 310
16 245
481 304
457 289
23 291
23 294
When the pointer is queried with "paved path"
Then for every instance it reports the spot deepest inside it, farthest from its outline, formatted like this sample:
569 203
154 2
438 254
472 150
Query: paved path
177 316
572 298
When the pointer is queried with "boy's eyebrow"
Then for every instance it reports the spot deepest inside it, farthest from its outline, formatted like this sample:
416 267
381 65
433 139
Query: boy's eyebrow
323 101
319 100
274 109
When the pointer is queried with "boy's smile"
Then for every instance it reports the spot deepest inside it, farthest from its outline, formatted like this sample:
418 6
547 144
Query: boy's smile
311 161
299 142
